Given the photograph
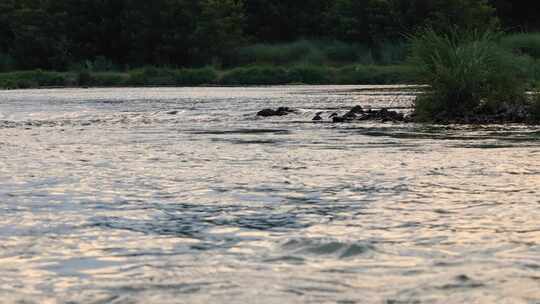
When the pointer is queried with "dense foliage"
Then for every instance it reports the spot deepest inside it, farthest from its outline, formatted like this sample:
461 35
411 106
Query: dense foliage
122 34
475 76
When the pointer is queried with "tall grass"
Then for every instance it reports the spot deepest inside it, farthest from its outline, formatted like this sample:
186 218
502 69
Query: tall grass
468 72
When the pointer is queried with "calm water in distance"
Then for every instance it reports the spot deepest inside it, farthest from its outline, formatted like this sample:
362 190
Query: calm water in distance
107 198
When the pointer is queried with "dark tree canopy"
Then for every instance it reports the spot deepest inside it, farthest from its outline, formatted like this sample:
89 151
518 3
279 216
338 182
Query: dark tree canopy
54 34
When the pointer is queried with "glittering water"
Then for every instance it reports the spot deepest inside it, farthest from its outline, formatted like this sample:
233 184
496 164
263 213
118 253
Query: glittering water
107 198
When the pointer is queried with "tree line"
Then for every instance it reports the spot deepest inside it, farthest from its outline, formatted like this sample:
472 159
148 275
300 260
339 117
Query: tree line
56 34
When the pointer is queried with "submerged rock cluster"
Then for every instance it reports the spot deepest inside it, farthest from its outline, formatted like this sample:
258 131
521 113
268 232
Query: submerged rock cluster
356 113
281 111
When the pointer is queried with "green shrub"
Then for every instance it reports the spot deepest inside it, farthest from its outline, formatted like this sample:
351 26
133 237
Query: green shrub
8 84
310 74
467 71
107 79
371 74
32 79
98 64
84 78
392 52
534 109
275 54
256 75
338 51
195 76
45 78
151 76
163 76
523 43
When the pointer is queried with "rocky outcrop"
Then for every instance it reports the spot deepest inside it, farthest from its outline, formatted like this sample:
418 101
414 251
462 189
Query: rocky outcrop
281 111
357 113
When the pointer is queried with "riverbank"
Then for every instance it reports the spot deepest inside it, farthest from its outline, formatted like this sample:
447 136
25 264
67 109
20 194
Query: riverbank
247 75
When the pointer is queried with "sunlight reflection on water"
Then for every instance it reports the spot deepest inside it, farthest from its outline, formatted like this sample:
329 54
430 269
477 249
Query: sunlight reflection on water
107 198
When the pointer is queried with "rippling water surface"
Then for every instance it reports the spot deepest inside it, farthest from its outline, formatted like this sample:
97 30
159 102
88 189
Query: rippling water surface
107 197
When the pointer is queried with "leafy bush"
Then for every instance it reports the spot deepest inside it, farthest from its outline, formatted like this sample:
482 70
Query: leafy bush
523 43
467 72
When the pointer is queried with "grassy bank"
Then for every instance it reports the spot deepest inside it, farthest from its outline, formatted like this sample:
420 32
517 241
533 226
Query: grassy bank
248 75
475 77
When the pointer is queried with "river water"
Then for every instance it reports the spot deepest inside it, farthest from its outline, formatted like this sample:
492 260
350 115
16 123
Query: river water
108 197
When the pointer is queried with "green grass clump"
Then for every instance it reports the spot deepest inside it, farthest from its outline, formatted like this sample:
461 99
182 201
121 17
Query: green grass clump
467 71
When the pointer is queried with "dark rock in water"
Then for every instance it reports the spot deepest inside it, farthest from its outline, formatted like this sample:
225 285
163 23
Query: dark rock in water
338 119
266 113
286 110
357 110
172 112
357 113
281 111
349 115
317 116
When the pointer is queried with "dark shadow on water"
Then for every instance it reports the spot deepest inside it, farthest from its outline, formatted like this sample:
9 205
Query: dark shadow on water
249 142
241 131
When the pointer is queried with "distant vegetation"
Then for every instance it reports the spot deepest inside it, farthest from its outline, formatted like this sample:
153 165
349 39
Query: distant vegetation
121 35
248 75
456 46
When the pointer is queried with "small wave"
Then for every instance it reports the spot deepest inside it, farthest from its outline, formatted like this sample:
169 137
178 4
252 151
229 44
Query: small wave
327 247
